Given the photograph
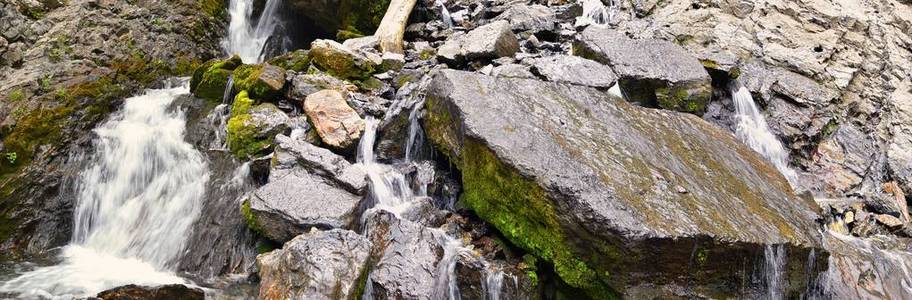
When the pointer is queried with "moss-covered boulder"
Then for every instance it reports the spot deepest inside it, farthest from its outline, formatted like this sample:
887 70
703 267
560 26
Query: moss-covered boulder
252 126
336 59
261 81
210 79
654 73
616 197
298 60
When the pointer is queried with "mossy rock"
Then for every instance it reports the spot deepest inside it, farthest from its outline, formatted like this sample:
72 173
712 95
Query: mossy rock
210 79
691 98
250 129
261 81
298 60
339 61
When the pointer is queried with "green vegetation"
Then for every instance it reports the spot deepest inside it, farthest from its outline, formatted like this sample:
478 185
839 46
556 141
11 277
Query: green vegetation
16 96
59 48
683 99
247 78
244 140
210 79
360 17
298 61
11 157
248 215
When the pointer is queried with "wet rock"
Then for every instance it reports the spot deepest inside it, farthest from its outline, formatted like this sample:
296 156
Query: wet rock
337 123
574 70
295 200
164 292
584 160
534 18
864 269
651 72
210 80
316 265
322 162
486 42
338 60
263 82
407 256
250 129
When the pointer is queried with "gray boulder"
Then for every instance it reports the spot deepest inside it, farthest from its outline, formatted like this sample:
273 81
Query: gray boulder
582 179
574 70
321 161
512 70
534 18
485 42
296 200
651 72
317 265
408 257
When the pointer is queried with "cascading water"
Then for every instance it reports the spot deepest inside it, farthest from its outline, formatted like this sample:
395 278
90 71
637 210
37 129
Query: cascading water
135 205
246 39
595 12
444 13
774 271
752 130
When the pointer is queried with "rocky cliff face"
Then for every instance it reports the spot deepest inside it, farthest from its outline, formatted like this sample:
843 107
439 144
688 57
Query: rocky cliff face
65 66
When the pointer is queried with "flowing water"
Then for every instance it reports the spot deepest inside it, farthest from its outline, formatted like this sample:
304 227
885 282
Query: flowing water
751 128
774 259
596 12
444 13
135 206
245 38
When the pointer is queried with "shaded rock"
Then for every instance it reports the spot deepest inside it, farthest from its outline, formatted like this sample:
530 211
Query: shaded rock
590 181
316 265
802 90
340 61
651 72
322 162
478 279
337 123
210 80
164 292
535 18
493 40
574 70
263 82
407 256
392 61
295 200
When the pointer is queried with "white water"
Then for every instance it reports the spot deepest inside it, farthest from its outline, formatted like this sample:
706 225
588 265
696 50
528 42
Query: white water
444 13
774 257
218 120
595 12
751 128
493 284
245 38
135 206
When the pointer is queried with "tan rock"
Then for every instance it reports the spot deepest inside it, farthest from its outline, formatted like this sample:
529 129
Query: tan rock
337 123
889 221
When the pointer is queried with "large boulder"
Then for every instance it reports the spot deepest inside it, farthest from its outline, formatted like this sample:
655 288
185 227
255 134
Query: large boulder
533 18
210 80
322 162
337 123
652 72
296 200
318 265
574 70
263 82
251 127
612 194
485 42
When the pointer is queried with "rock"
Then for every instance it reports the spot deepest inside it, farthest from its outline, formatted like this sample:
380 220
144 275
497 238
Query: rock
13 55
583 161
298 60
392 61
476 278
317 265
295 200
163 292
512 71
368 43
485 42
889 221
250 129
322 162
263 82
534 18
338 60
337 123
651 72
302 85
802 90
210 80
574 70
407 256
862 269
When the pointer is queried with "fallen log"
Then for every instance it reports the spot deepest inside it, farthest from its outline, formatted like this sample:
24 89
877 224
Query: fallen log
392 27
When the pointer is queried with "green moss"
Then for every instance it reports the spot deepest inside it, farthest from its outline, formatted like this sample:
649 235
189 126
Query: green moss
214 8
359 16
340 63
682 99
348 33
298 61
249 217
16 96
247 78
521 210
210 79
243 136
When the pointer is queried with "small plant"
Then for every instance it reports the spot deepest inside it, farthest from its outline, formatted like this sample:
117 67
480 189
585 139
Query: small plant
45 83
16 96
11 157
59 48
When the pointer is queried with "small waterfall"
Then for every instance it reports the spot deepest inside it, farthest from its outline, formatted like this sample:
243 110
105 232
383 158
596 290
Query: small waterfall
389 188
446 268
218 120
135 205
493 283
595 12
774 259
228 96
416 137
444 13
246 39
753 131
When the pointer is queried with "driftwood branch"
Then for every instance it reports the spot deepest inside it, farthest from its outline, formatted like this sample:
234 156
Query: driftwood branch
392 27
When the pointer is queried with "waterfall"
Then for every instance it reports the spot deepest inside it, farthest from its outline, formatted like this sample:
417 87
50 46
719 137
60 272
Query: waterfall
595 12
444 13
218 120
493 283
754 132
136 204
246 39
774 257
415 138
